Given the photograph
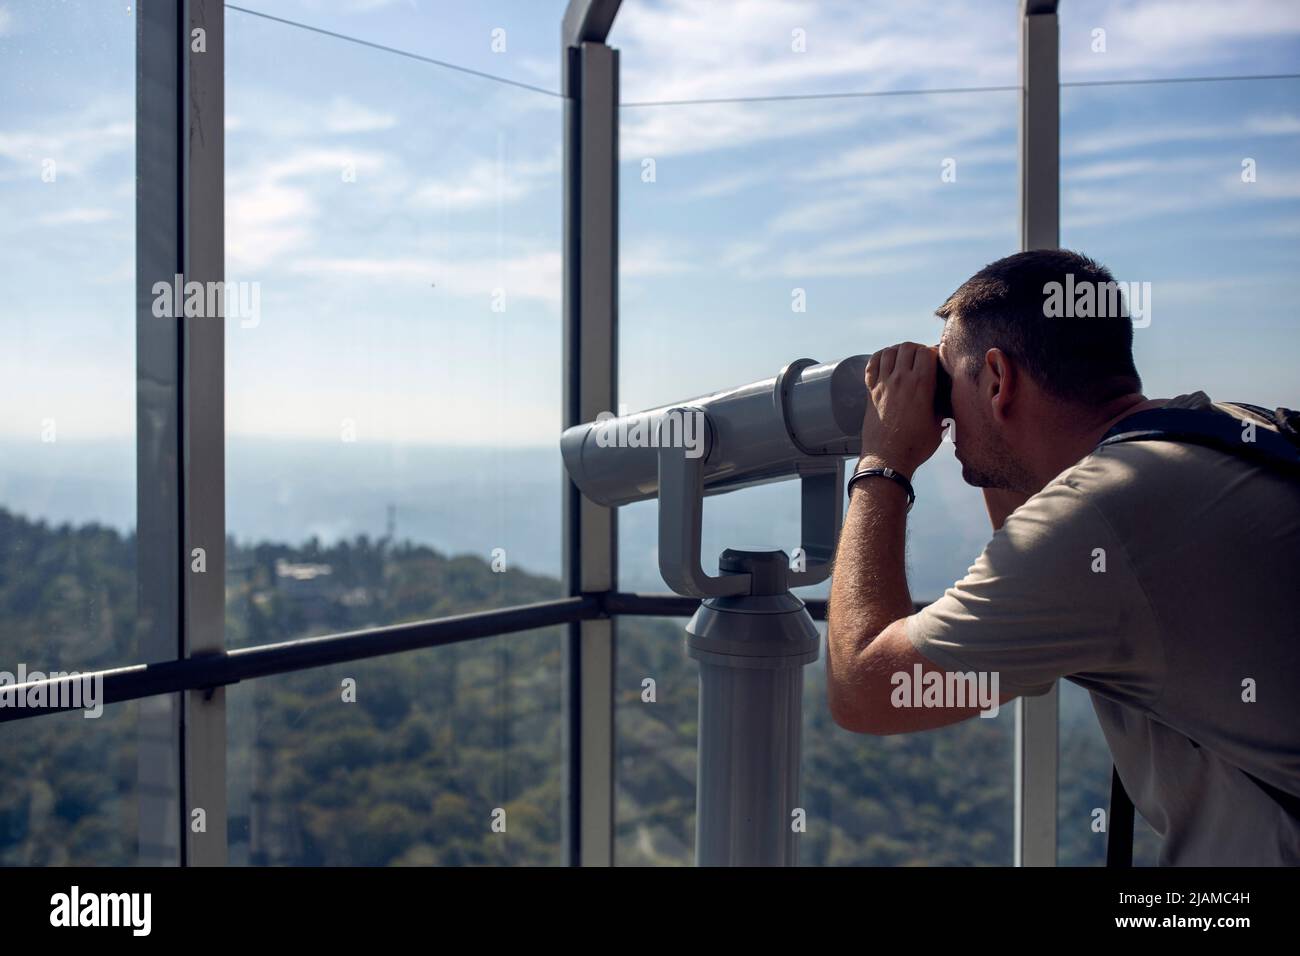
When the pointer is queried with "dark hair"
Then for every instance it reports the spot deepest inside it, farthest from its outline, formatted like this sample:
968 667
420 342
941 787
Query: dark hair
1012 305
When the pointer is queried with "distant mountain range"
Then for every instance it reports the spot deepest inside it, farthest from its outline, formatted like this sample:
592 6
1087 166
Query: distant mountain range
460 500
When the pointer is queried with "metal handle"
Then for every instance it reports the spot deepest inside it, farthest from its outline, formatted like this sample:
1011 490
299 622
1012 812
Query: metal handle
681 512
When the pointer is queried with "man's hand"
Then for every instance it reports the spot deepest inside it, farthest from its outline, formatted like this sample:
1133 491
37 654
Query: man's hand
900 429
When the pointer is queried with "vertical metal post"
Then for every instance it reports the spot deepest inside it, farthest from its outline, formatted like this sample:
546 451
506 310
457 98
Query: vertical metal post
157 348
590 387
1037 717
751 650
203 467
180 423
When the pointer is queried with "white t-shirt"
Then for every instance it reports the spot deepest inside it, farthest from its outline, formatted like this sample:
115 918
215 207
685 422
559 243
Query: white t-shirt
1196 612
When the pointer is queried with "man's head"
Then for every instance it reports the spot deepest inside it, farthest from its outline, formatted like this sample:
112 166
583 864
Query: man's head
1030 373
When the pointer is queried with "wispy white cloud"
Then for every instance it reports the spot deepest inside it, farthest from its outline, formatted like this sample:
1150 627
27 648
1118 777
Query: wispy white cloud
682 49
713 185
264 222
1161 38
78 216
274 207
663 131
1121 137
75 141
1269 185
1135 170
1280 228
869 182
649 256
355 6
1182 292
1273 124
487 182
534 275
1119 174
881 161
1117 138
881 250
345 116
815 263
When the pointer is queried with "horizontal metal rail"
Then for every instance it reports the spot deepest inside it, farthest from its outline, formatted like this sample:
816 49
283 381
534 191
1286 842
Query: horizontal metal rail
207 671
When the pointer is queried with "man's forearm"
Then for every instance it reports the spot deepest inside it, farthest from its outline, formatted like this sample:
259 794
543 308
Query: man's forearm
869 578
869 581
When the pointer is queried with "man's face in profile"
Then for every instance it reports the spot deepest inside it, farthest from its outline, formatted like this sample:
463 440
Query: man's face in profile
986 459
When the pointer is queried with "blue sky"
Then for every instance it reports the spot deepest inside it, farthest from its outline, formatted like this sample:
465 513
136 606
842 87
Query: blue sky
377 294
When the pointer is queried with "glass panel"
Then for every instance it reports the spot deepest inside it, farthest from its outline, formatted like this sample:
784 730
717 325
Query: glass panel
67 430
938 798
446 756
681 50
67 372
1145 39
393 405
819 229
941 798
518 40
828 231
1189 187
71 795
654 744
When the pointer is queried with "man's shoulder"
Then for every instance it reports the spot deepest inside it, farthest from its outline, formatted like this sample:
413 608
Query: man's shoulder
1139 486
1128 467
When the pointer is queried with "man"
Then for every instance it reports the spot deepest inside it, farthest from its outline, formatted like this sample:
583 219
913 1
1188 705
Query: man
1161 576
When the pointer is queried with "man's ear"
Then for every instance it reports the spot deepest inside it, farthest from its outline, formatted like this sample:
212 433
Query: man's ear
1002 383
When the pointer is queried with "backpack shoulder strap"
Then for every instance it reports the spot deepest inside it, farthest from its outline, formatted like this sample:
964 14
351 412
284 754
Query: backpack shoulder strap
1287 420
1213 429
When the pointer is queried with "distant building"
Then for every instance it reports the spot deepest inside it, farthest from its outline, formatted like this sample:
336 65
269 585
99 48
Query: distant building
310 586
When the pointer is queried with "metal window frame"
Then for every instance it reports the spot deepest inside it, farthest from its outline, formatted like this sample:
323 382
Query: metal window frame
203 427
180 425
1037 718
180 442
158 481
590 544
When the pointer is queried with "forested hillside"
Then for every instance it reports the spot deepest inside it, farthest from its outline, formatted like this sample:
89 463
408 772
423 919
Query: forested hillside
438 741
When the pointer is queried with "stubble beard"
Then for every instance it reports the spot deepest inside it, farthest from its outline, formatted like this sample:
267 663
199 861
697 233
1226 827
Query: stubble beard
992 465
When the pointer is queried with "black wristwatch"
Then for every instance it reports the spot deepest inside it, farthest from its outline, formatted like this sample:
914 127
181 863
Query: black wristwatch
885 473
